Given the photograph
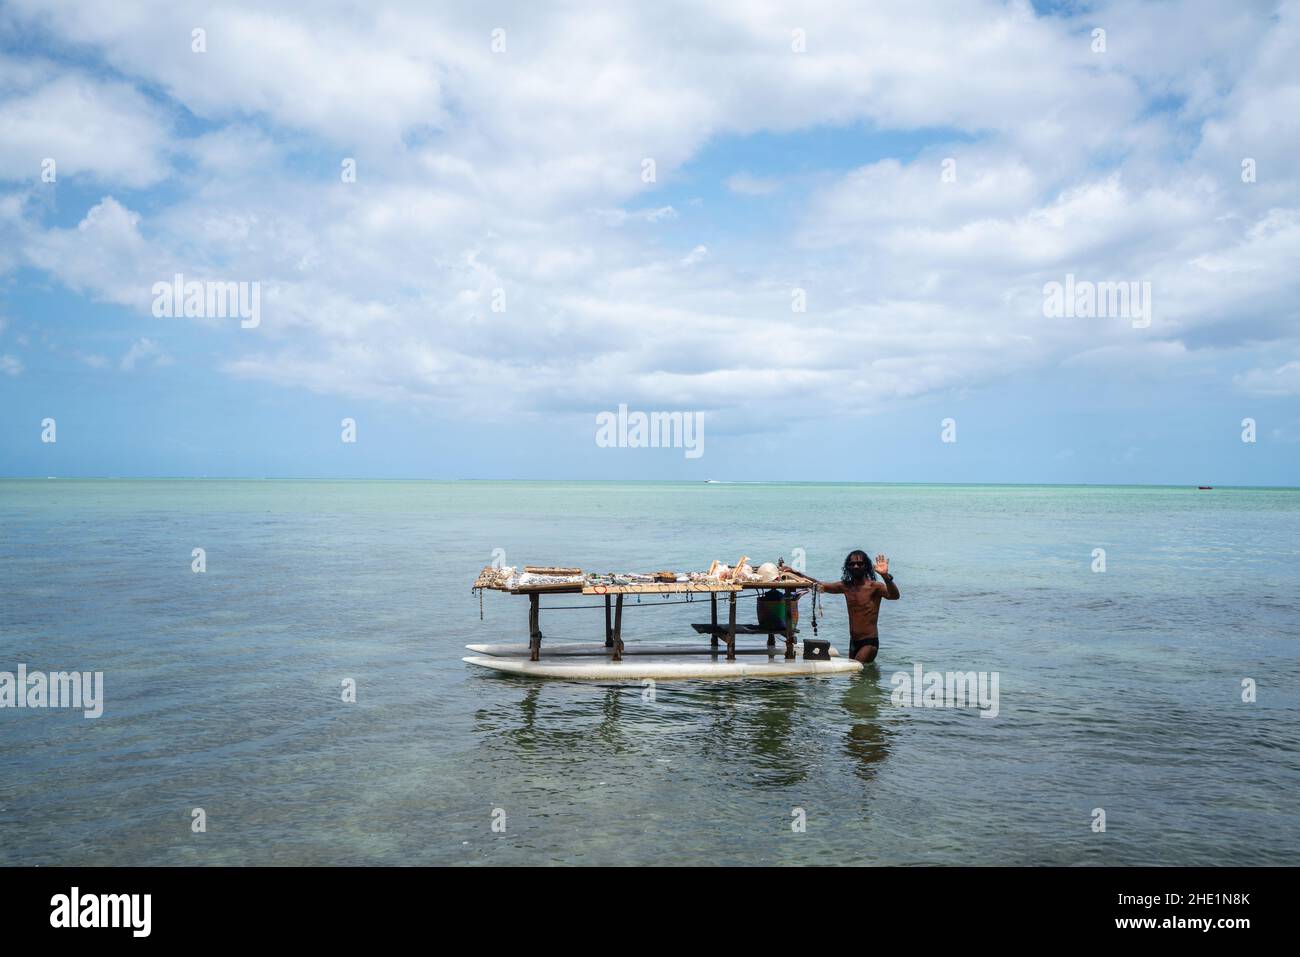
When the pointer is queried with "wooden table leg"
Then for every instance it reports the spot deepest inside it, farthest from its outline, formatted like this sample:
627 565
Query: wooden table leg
609 629
789 627
731 627
534 628
713 635
618 629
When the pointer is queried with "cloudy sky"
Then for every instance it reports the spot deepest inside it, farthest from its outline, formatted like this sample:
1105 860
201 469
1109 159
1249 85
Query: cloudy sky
560 208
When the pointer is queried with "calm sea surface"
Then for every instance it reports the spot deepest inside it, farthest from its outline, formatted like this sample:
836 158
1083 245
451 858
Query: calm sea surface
1119 690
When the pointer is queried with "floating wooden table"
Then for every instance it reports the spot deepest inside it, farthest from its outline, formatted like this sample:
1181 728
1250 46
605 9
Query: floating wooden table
614 630
614 594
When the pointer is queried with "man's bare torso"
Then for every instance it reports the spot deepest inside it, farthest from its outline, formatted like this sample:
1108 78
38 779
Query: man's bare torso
864 605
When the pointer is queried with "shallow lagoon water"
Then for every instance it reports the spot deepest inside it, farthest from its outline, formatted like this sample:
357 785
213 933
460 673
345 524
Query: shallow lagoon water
1118 690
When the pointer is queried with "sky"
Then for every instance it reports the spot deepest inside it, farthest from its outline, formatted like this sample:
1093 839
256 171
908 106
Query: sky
823 231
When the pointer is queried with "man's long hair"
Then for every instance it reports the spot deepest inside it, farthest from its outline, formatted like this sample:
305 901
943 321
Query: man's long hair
844 572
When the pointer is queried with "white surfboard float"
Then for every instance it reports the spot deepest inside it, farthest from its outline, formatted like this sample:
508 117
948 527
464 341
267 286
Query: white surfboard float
571 649
676 666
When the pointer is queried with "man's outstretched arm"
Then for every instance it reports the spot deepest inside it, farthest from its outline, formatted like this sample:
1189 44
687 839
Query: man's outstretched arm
891 590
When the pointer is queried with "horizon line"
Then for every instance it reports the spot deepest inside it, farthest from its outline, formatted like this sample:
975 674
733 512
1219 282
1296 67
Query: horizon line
644 481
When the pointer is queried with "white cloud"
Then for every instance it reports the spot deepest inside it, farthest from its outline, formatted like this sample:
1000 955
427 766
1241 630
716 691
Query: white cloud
350 78
141 350
1134 356
522 172
695 255
105 255
1283 380
748 185
10 365
106 131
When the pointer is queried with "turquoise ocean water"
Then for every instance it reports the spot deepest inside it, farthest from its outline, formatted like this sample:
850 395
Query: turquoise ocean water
1119 690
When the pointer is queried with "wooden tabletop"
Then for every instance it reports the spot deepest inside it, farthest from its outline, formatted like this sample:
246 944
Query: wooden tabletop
660 588
655 588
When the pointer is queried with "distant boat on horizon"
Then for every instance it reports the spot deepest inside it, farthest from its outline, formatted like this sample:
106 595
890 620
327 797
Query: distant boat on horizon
1204 488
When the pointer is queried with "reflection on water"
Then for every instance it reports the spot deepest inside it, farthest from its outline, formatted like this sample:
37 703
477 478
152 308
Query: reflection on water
546 718
766 731
868 738
764 724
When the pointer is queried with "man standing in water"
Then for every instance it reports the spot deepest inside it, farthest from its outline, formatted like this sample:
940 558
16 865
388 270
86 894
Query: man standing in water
862 593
